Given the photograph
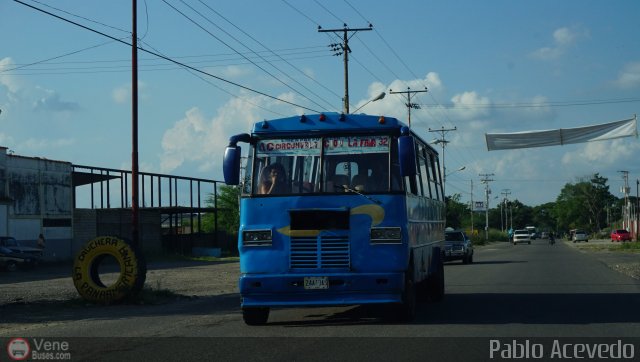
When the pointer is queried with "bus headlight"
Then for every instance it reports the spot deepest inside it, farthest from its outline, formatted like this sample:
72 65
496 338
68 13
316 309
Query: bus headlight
256 238
387 235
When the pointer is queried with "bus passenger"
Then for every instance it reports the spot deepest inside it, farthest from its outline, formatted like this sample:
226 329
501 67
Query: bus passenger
273 179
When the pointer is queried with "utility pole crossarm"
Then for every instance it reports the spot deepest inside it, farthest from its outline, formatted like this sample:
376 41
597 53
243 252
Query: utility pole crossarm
443 131
409 93
487 191
345 55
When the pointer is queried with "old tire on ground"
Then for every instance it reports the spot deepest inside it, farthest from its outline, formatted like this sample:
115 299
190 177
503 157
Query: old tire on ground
255 316
86 278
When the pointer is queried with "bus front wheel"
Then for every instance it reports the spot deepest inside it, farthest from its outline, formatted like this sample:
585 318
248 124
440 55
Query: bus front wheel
255 316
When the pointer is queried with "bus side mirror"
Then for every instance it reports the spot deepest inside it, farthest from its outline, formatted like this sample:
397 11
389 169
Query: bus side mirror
407 155
231 165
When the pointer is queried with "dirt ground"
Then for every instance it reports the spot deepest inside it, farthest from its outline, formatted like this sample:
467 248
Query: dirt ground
52 283
48 283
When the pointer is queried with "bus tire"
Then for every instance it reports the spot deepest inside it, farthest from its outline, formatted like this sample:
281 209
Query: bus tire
86 277
407 311
255 316
435 281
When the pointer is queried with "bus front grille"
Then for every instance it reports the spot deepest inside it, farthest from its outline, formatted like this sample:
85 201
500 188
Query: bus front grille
319 252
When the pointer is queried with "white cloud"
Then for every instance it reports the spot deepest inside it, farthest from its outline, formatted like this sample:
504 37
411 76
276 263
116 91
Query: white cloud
122 94
563 39
469 105
234 71
601 153
629 77
6 140
11 82
201 141
51 102
32 145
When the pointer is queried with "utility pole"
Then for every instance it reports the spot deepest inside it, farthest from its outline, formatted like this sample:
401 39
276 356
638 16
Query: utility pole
625 190
487 191
472 207
135 234
344 50
443 142
409 93
506 193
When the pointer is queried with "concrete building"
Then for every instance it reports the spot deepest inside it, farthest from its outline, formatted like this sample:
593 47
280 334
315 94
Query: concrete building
36 197
39 195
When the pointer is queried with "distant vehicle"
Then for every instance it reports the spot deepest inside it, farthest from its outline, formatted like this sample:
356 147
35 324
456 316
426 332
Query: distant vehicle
11 261
580 235
13 244
521 236
458 246
533 233
544 235
620 235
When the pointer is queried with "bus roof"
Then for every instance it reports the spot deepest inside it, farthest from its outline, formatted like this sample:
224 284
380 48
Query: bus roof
325 122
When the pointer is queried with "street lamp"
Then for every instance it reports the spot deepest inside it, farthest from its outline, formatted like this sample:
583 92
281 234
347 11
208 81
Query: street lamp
444 180
452 172
377 98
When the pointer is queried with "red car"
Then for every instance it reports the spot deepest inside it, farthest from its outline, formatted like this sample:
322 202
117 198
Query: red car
620 235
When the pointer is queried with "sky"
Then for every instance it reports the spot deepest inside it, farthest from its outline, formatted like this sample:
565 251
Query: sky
487 66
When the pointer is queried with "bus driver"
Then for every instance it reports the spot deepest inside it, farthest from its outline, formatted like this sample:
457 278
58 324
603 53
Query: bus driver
273 179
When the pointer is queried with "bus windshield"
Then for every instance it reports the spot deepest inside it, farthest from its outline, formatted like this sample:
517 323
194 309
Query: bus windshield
322 165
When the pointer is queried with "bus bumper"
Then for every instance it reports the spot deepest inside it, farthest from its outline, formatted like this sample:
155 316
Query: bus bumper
266 290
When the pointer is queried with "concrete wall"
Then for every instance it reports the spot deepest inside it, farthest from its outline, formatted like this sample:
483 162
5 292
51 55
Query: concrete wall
90 223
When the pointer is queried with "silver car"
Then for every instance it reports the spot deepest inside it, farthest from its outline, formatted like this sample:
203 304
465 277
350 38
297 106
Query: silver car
580 235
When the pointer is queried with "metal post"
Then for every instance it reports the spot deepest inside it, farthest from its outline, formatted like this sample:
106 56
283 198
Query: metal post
134 126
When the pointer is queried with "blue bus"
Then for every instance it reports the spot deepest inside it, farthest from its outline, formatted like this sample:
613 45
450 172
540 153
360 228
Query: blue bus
337 209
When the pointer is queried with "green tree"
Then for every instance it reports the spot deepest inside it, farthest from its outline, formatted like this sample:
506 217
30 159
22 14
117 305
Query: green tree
228 210
456 212
584 204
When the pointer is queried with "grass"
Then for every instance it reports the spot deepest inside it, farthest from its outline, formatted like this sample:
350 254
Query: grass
628 247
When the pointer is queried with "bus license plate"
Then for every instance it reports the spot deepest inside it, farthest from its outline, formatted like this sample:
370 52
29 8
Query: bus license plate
316 282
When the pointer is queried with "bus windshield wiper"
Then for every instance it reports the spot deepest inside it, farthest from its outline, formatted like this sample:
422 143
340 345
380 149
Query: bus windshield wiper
345 188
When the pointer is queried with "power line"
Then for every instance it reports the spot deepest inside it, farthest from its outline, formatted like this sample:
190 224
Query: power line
275 54
52 58
536 105
166 58
230 47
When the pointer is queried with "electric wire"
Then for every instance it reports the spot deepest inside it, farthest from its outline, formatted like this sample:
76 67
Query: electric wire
222 89
166 58
540 104
329 11
82 17
114 68
20 66
232 48
277 55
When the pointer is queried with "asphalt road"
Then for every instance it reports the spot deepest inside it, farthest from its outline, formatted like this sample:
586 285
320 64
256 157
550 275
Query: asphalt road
520 291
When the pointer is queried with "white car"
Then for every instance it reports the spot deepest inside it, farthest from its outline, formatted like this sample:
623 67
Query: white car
580 235
521 236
